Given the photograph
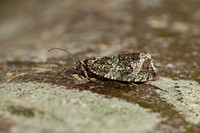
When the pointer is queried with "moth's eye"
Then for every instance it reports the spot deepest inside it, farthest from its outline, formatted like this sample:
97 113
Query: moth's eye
77 67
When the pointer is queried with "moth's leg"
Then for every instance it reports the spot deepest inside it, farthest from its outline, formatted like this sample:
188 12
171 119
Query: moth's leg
83 78
133 84
159 88
63 70
86 75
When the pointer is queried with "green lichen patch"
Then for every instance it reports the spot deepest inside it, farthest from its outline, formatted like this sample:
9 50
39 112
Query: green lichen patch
184 95
36 107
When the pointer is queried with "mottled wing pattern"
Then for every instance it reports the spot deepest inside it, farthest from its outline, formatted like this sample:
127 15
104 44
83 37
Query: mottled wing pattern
126 67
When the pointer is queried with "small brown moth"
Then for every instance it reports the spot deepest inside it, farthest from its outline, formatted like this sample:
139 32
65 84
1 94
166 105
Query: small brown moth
135 67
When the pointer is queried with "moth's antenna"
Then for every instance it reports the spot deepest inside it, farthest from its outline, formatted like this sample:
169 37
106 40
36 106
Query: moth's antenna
63 50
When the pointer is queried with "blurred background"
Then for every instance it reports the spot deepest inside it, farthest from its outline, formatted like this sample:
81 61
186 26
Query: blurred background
168 28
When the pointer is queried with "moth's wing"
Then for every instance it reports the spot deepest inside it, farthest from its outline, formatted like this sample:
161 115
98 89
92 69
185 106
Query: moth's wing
118 67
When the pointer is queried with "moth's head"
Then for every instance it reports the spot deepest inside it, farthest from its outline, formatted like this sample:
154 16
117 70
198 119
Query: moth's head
79 65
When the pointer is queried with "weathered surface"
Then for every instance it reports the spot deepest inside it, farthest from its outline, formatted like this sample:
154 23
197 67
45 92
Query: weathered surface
184 95
87 28
64 110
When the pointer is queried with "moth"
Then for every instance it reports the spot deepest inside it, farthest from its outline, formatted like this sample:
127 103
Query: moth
134 67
